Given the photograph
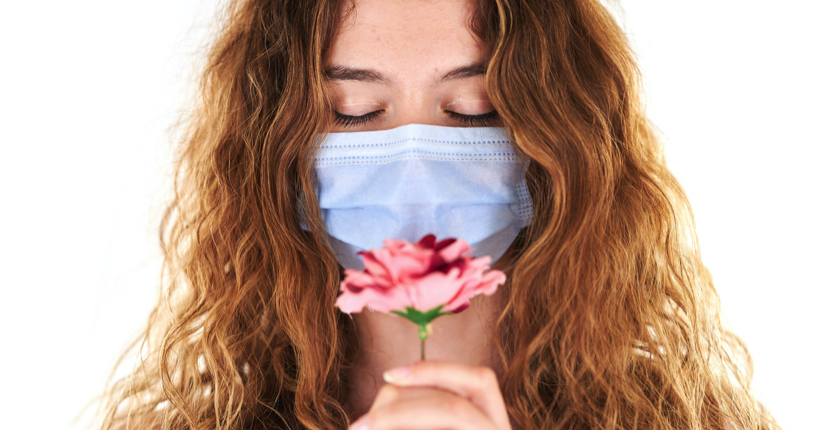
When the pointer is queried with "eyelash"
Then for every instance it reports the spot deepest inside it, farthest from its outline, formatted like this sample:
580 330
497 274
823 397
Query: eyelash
481 120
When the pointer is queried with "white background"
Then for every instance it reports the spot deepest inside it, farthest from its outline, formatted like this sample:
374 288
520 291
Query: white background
87 89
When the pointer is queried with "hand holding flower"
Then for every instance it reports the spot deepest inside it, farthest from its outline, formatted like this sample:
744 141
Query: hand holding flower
435 394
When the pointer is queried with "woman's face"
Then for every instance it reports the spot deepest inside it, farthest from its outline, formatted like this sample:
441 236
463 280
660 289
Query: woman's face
397 62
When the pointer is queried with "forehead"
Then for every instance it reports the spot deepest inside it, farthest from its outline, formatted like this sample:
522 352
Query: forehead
403 38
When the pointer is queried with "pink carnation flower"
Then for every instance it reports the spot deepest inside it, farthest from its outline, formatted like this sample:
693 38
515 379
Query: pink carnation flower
420 275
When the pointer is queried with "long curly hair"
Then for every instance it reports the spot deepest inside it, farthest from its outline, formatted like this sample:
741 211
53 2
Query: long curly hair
609 321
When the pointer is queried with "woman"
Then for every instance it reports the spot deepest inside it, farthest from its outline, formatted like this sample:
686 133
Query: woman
608 319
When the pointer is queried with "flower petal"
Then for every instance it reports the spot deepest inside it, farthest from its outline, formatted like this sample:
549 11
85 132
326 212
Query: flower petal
401 266
453 250
474 284
357 280
374 267
380 300
434 289
427 241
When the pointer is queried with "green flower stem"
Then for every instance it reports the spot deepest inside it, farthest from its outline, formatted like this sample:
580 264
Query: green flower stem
422 333
422 319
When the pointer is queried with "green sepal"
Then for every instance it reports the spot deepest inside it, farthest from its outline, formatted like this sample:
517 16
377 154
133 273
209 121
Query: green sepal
421 318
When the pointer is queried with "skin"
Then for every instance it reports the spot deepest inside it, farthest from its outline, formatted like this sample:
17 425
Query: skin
412 45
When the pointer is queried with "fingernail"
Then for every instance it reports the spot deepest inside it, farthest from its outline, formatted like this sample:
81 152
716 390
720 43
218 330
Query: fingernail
361 424
397 374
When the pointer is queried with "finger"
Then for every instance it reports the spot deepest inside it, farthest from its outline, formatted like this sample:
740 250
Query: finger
441 411
478 384
390 393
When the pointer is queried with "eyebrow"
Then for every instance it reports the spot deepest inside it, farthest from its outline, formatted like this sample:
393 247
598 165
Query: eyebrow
338 72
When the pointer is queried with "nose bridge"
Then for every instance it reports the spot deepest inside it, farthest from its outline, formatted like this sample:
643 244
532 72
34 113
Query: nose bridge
415 104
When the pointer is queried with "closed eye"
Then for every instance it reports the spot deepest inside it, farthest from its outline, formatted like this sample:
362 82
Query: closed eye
480 120
351 120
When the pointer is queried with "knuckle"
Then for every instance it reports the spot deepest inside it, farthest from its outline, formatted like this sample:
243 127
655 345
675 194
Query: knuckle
485 377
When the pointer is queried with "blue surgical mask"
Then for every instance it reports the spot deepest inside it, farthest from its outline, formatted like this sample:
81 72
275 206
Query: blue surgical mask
416 179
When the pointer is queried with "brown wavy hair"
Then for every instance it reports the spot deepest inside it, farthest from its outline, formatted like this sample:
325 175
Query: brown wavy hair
610 320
